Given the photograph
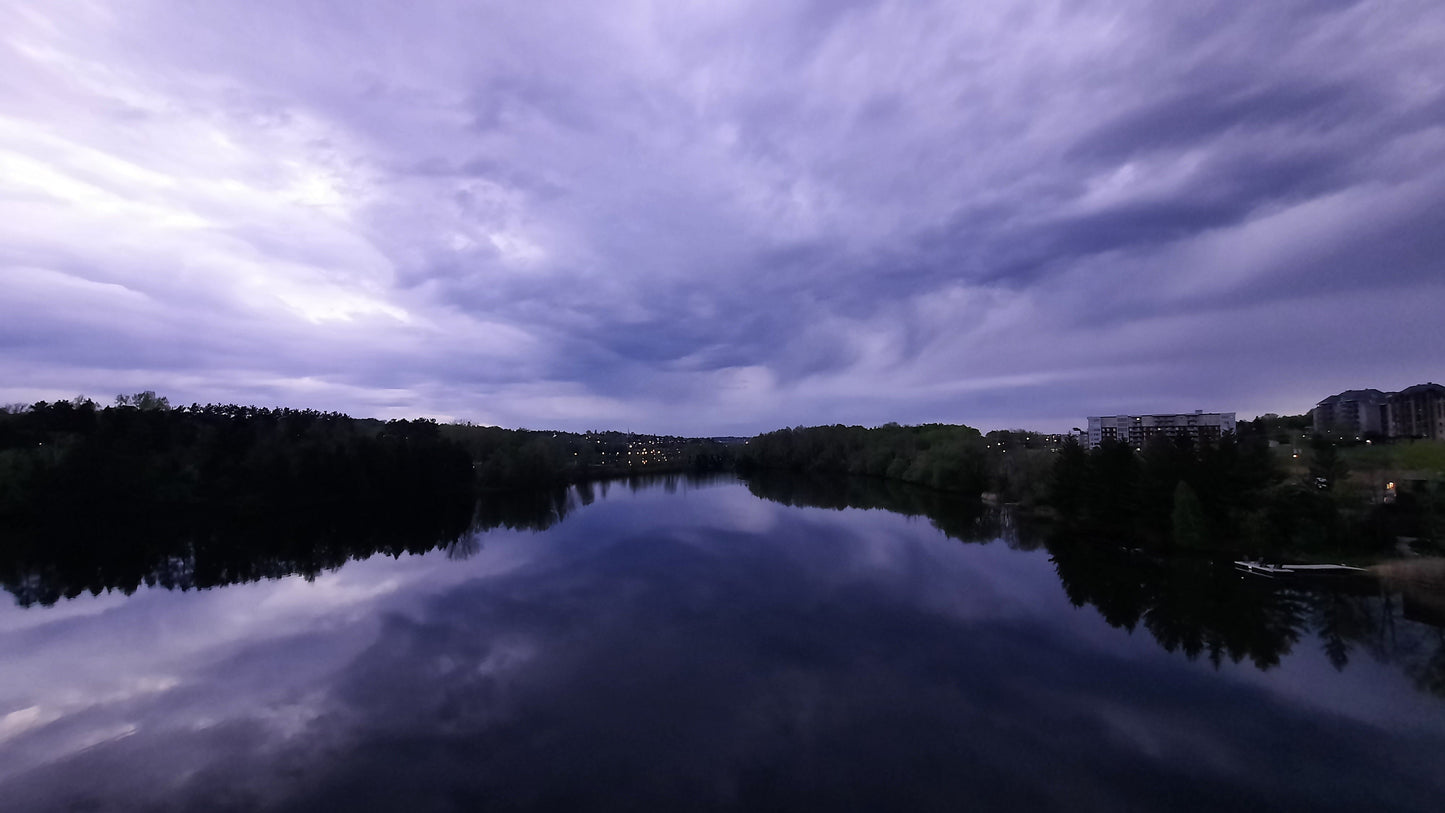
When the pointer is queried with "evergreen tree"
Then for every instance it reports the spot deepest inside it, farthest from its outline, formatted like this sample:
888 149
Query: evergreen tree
1188 517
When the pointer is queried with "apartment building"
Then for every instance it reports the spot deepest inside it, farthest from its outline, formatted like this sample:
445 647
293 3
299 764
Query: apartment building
1414 412
1136 430
1418 412
1354 412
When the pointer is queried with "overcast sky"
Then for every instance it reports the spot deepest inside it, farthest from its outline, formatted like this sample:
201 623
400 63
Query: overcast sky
723 217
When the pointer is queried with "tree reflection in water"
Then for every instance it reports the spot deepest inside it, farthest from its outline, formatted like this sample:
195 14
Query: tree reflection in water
1197 606
1190 604
73 554
80 551
956 516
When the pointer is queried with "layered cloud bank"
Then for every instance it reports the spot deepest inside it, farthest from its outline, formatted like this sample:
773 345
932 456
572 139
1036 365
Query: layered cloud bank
722 217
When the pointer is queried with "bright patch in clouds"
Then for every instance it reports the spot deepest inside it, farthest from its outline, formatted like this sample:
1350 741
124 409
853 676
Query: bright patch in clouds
721 218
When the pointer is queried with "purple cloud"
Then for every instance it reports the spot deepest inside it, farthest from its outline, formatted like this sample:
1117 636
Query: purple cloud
722 218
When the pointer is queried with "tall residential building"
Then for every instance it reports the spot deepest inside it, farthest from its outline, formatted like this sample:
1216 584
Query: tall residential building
1353 412
1136 430
1418 412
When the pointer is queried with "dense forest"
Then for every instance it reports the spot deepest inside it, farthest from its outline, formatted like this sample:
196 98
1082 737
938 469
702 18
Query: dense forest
1241 493
140 455
1237 494
1172 490
939 456
512 459
140 493
70 466
96 497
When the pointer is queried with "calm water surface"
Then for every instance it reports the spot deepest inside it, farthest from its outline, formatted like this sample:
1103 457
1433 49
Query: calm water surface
692 646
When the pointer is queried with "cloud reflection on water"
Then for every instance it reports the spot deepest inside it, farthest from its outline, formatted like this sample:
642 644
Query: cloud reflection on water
665 649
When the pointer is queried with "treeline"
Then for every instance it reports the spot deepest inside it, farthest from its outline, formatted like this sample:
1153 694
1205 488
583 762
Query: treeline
1011 466
939 456
1228 494
141 456
515 459
1282 429
1174 490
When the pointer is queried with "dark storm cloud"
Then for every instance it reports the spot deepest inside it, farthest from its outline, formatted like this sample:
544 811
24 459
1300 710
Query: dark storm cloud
1210 108
712 218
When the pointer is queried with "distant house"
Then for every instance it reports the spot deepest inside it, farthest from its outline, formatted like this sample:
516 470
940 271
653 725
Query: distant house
1136 430
1418 412
1354 412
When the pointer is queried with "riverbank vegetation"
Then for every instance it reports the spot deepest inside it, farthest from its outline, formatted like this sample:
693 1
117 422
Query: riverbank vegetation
143 455
1269 490
1272 489
939 456
1241 494
512 459
1188 601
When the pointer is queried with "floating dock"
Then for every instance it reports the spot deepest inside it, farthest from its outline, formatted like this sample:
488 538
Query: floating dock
1272 569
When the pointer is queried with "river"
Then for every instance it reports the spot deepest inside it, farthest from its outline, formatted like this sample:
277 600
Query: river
701 644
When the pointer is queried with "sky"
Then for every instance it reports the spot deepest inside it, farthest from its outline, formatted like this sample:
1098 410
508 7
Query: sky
713 218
